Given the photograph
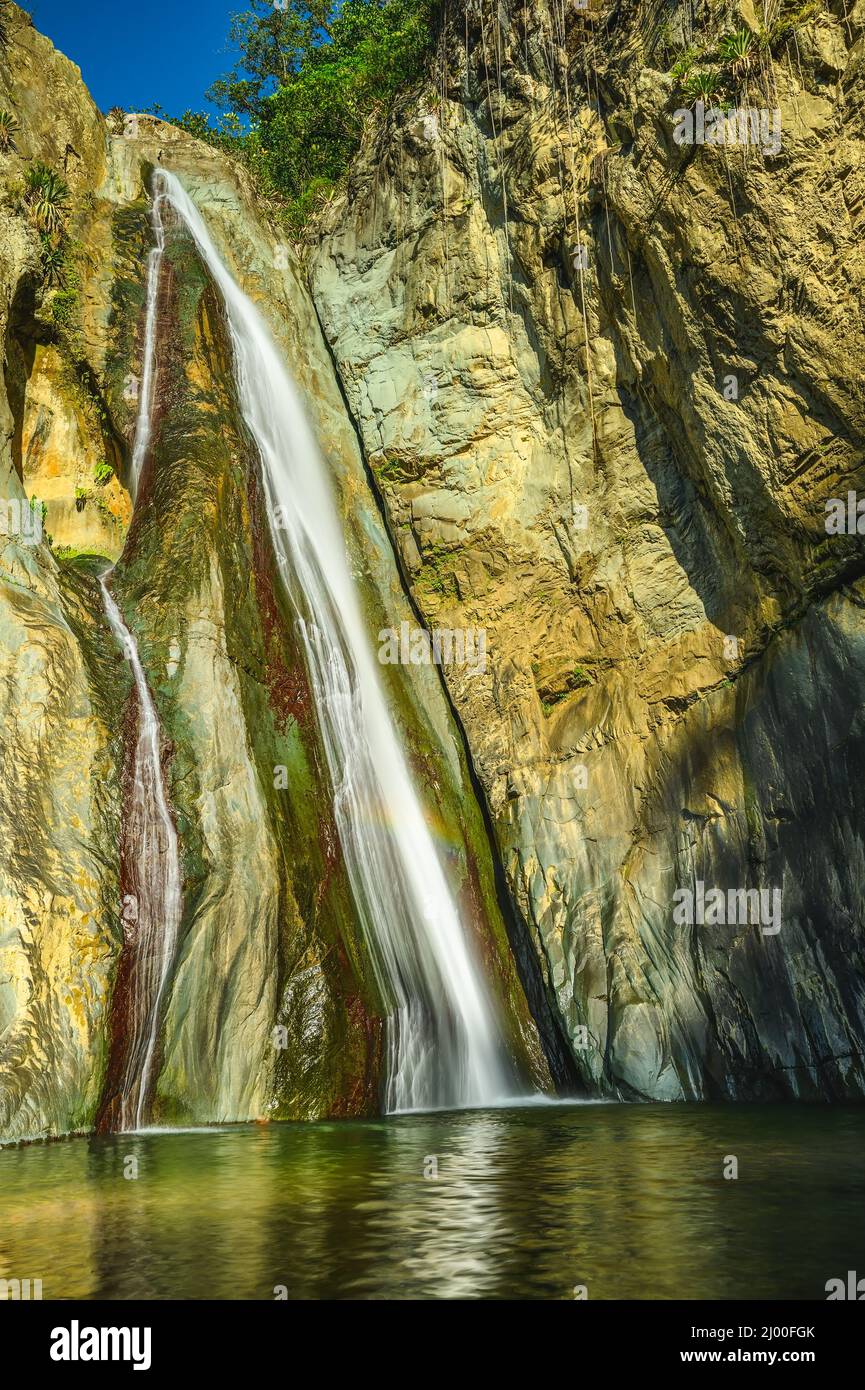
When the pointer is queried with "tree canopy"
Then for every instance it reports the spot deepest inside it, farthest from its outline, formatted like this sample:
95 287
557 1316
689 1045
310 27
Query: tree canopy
308 74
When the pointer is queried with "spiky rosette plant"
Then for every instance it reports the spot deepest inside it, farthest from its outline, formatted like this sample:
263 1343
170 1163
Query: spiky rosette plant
46 196
701 86
53 261
738 49
8 129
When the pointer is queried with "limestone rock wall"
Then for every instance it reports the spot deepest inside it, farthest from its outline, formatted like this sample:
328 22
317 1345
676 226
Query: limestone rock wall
606 384
268 939
58 771
579 386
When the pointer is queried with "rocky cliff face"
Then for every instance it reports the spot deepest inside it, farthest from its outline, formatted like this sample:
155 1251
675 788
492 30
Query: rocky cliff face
273 1008
579 386
606 383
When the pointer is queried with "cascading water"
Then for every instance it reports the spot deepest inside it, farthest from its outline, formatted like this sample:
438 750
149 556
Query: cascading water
153 903
444 1045
153 871
144 422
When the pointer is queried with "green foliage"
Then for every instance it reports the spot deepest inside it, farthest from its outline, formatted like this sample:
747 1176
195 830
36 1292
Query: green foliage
272 43
102 474
436 576
701 86
737 48
308 78
8 128
198 124
87 561
63 307
46 196
53 258
389 470
684 64
59 266
790 18
43 512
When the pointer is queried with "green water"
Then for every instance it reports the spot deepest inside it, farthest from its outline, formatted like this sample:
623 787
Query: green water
629 1200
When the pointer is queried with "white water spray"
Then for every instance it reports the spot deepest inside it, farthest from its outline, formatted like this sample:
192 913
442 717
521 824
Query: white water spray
444 1045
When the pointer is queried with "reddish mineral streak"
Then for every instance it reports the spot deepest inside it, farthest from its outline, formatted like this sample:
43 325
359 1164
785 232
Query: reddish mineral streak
132 995
120 1016
287 686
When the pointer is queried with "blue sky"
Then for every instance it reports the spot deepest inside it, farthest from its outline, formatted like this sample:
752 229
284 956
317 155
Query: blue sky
134 52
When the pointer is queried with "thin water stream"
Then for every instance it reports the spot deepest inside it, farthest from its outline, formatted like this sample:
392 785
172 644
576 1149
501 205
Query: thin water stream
152 906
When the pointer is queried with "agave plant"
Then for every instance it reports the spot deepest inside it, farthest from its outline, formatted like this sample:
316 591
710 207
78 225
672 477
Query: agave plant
738 48
8 127
684 64
46 195
53 261
701 86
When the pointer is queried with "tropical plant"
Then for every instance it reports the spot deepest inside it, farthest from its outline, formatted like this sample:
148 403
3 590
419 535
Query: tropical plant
309 76
46 195
701 86
684 64
53 258
102 474
738 49
8 129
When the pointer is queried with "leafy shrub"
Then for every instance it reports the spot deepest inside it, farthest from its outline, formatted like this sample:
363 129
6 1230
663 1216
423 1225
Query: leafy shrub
63 307
309 77
53 258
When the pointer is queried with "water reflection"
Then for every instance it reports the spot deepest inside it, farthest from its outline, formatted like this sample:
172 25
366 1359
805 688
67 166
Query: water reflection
630 1201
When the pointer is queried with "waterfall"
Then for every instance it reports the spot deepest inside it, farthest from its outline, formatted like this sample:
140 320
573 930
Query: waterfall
444 1046
153 870
144 422
151 861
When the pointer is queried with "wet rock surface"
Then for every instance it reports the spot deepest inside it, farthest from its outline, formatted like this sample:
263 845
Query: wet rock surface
604 384
273 1011
580 388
